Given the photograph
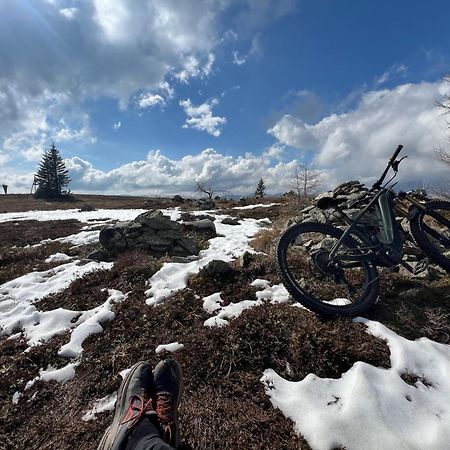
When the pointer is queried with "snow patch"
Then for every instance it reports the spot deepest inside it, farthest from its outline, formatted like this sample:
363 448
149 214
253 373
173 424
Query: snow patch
89 323
106 403
37 285
58 257
74 214
172 277
61 375
172 347
273 294
371 407
260 205
212 302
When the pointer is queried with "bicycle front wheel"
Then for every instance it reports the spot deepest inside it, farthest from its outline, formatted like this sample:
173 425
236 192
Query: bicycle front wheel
335 286
431 231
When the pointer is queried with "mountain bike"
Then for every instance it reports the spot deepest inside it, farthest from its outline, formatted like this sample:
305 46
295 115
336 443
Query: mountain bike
332 270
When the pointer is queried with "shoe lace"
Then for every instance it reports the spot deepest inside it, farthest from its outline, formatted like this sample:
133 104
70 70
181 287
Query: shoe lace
164 409
139 406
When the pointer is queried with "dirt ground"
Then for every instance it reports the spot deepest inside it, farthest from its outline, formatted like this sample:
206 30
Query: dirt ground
26 202
224 404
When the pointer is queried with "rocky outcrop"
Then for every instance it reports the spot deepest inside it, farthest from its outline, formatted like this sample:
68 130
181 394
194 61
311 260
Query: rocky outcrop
350 195
150 231
205 203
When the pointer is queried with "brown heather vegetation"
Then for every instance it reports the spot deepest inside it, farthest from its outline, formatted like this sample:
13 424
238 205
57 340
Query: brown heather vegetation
224 404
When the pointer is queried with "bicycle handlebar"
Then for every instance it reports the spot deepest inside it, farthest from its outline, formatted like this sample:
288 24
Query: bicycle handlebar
396 153
377 185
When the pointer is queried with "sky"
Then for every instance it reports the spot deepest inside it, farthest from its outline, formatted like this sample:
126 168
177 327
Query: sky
148 96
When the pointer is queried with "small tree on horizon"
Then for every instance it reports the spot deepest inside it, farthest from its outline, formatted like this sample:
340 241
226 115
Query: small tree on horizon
204 188
260 189
52 176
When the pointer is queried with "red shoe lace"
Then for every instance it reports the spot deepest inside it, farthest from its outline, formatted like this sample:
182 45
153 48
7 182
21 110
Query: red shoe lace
139 405
164 409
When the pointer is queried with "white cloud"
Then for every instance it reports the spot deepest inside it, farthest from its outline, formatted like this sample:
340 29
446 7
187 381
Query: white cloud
357 144
201 118
274 152
147 100
239 60
117 49
117 125
68 13
396 69
160 175
193 67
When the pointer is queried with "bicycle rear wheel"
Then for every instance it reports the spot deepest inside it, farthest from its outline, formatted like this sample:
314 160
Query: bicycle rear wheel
329 287
431 231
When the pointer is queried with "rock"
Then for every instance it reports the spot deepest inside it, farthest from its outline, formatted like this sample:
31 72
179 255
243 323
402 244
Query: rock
87 208
100 254
178 199
205 203
409 294
203 224
151 231
113 239
245 259
217 269
323 195
230 221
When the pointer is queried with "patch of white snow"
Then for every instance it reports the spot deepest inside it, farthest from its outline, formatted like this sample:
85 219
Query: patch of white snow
371 407
172 347
106 403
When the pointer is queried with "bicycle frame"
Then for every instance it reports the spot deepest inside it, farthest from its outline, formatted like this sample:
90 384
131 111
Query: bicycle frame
389 231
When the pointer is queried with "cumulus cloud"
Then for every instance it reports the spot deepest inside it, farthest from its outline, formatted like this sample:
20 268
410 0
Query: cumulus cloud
147 100
357 144
201 117
160 175
74 52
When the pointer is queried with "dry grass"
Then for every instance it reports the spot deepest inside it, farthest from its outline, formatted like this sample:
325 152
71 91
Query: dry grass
224 405
25 202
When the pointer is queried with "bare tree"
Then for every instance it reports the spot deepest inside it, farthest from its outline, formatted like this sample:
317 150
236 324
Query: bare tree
203 188
443 156
305 181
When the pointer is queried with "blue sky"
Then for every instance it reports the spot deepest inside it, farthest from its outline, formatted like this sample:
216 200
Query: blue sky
147 96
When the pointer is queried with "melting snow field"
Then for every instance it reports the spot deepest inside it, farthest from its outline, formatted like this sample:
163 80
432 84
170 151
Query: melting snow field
366 408
370 407
172 277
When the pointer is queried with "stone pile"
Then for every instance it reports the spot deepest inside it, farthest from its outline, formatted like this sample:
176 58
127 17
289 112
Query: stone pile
150 231
205 203
349 195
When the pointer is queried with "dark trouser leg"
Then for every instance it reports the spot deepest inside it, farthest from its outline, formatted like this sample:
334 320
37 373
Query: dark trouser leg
147 437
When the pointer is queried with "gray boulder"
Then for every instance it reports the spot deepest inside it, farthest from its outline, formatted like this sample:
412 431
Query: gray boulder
203 224
150 231
230 221
205 203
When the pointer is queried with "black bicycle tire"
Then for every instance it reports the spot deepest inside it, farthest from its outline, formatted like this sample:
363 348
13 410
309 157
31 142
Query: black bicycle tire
420 237
307 300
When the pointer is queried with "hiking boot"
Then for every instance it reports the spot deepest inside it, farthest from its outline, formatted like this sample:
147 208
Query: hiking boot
168 387
132 405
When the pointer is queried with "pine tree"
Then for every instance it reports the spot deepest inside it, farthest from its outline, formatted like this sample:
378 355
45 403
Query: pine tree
260 189
52 176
